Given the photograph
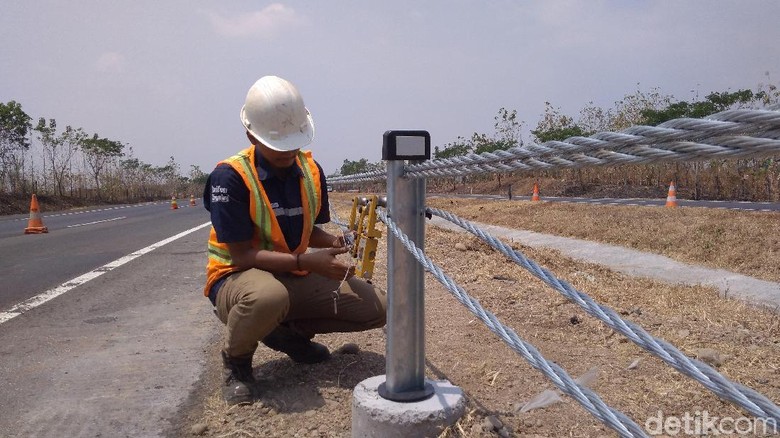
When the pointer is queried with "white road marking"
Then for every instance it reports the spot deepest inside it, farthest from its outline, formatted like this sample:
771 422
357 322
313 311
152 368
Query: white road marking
97 222
70 213
50 294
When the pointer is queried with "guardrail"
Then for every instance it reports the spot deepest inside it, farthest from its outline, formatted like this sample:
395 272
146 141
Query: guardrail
729 134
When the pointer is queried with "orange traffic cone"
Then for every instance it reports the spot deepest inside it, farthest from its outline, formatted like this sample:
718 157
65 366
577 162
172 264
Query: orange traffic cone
174 204
192 200
535 196
671 198
35 224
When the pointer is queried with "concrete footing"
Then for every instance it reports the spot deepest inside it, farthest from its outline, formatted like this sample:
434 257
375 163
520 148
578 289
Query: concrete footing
374 416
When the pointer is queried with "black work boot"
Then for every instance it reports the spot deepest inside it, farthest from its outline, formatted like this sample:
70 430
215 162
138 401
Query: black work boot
300 348
238 379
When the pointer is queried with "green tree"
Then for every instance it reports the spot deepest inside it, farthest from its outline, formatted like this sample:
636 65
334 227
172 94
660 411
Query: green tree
713 103
98 153
349 167
507 135
460 146
15 129
628 111
555 126
136 178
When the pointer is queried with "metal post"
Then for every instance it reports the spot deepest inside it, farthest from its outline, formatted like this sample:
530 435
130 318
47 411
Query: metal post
405 348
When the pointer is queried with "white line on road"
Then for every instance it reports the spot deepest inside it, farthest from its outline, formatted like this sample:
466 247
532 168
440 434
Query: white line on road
97 222
50 294
70 213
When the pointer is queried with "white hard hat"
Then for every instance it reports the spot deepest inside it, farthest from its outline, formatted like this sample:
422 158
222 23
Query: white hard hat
274 114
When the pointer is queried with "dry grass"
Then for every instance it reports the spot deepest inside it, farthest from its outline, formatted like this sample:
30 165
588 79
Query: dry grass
689 317
743 242
315 400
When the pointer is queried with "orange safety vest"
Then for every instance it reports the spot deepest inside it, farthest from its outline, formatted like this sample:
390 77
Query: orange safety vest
268 235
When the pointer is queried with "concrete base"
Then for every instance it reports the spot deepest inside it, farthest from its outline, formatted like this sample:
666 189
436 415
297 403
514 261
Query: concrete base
374 416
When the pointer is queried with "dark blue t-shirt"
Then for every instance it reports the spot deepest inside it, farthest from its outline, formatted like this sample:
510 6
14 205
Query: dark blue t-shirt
226 197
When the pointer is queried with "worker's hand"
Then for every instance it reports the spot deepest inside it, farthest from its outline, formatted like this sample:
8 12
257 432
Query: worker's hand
345 240
325 263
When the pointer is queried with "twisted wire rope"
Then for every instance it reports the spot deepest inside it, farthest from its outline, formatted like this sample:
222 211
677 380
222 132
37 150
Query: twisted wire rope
334 217
725 147
730 134
752 401
616 420
738 133
732 122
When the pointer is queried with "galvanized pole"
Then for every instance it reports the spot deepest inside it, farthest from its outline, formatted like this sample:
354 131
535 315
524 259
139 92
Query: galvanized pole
405 347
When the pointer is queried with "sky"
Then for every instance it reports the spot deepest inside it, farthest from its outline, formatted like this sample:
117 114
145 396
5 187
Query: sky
169 77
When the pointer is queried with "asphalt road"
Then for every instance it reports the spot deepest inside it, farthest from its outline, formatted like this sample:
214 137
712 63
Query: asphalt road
79 241
117 346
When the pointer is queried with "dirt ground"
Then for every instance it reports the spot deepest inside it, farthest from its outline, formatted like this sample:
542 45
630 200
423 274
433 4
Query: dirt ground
742 341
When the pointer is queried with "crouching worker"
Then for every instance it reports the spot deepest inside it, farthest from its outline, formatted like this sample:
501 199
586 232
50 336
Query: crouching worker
265 204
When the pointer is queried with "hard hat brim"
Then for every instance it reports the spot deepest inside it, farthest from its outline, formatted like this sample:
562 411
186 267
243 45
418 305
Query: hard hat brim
289 142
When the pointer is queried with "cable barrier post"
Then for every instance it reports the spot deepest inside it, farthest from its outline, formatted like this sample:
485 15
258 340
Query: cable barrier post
405 347
402 402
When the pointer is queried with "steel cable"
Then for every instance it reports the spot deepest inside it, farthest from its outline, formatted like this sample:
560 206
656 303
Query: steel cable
334 217
731 134
616 420
747 398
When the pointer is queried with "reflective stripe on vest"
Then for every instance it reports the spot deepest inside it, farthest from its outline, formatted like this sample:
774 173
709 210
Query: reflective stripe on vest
268 234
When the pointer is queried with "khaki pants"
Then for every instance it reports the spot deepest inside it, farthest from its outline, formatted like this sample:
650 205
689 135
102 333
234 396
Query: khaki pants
252 303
